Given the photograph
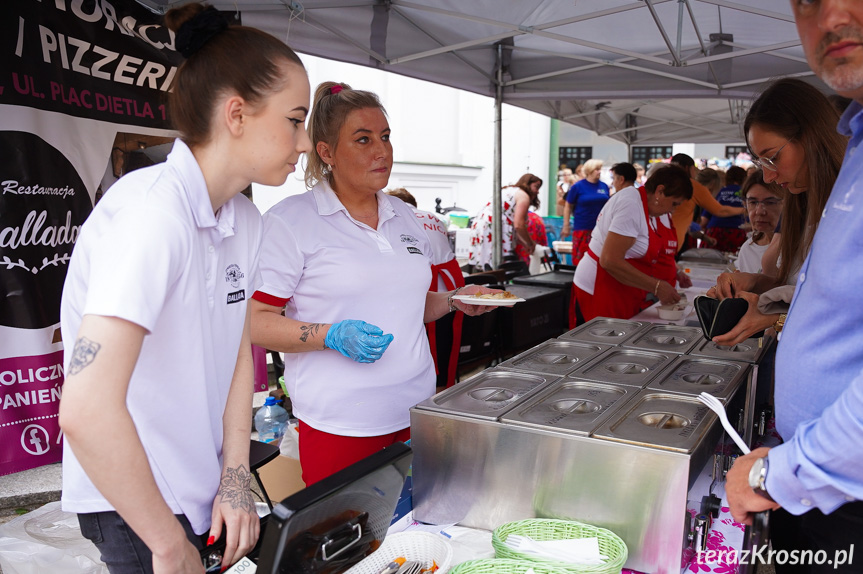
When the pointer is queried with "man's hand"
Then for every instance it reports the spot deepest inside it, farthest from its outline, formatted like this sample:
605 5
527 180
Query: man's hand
744 501
235 507
730 284
684 281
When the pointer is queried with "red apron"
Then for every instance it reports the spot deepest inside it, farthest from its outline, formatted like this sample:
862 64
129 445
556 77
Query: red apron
447 356
611 298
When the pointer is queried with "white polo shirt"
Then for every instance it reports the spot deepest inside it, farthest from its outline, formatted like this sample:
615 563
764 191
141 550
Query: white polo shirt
622 214
153 253
329 267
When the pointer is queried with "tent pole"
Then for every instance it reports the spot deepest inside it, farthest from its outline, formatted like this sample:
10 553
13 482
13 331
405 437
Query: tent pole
497 227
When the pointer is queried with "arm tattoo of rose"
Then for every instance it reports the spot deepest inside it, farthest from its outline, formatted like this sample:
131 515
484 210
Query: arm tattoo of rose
83 354
234 488
309 330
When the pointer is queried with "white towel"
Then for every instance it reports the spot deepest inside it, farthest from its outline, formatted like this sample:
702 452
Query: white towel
575 550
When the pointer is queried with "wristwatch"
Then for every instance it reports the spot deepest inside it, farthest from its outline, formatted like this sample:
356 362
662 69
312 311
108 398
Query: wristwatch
780 322
758 476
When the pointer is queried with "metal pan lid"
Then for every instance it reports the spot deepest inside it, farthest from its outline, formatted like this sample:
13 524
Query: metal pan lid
660 420
487 395
622 366
666 338
555 357
749 351
570 406
694 375
604 330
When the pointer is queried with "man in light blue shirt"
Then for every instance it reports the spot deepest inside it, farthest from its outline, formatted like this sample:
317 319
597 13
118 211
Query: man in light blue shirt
816 476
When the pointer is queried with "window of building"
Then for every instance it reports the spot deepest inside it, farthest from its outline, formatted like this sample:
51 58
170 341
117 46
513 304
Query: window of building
643 154
572 156
731 151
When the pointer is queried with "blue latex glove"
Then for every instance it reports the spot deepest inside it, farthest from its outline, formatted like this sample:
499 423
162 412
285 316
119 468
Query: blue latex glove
358 340
694 227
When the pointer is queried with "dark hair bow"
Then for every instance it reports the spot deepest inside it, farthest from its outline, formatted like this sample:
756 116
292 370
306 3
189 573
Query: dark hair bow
198 30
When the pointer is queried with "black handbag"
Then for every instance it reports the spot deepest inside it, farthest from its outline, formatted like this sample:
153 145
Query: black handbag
718 317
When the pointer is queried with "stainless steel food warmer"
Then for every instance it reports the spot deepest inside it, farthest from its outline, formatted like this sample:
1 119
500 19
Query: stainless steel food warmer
617 442
635 480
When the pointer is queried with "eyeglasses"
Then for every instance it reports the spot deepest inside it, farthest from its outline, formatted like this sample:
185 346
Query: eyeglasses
768 203
770 162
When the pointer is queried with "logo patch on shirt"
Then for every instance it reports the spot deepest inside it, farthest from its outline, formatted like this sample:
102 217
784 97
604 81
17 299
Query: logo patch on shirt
414 250
405 238
236 296
233 275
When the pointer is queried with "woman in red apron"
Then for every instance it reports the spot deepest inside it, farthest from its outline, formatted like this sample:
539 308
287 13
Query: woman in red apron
622 284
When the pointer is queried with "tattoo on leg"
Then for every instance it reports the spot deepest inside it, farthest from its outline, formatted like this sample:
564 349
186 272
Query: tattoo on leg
83 354
309 330
235 488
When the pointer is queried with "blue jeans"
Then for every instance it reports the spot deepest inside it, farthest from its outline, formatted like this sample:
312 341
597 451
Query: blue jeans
122 550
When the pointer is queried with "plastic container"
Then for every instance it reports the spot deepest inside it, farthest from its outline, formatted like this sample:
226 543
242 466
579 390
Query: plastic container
671 312
459 220
271 421
504 566
425 547
610 544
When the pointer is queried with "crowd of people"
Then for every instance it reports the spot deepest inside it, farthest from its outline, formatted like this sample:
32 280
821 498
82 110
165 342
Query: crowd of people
175 275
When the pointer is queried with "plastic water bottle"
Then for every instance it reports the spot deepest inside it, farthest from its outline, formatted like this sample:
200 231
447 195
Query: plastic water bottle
271 421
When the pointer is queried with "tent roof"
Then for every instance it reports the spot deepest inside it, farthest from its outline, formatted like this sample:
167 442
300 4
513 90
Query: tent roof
645 72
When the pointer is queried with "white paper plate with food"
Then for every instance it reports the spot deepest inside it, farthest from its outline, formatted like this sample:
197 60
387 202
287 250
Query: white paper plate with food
499 298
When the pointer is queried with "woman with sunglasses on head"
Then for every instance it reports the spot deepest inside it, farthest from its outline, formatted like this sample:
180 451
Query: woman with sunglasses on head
157 403
791 132
763 203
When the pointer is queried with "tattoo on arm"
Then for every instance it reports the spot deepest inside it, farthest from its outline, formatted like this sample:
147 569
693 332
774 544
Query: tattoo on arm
235 489
309 330
83 354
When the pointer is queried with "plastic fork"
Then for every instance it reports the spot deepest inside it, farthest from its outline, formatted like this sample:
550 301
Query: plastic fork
717 407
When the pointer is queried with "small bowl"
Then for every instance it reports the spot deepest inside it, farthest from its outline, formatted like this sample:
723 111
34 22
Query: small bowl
671 312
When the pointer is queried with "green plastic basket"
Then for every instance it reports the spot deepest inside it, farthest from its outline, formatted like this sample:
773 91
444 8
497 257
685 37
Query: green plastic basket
504 566
542 529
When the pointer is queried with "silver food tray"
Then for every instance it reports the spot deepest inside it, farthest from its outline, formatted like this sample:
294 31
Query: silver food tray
666 338
555 357
623 366
749 351
487 395
660 420
570 406
693 375
605 330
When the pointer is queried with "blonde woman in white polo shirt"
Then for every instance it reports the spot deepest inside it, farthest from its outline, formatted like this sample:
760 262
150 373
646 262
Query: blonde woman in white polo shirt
348 263
157 402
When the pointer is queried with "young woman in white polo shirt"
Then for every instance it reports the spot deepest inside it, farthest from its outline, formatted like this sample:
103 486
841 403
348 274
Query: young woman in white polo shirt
341 255
156 406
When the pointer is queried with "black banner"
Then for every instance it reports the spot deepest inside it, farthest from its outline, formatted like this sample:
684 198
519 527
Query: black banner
109 61
43 210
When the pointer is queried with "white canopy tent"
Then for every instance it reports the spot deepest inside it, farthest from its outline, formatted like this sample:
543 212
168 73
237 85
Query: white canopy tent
646 72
